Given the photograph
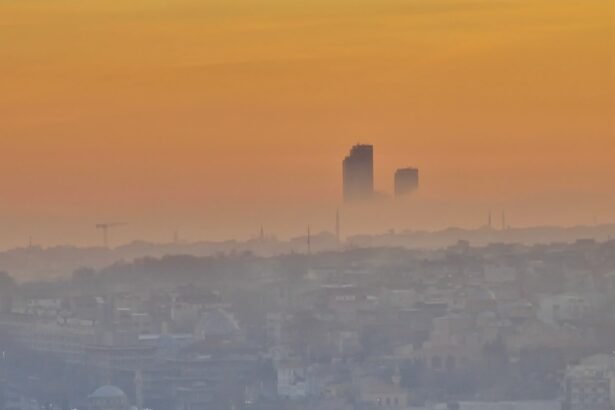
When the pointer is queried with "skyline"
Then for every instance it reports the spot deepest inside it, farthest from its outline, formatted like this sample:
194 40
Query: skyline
217 117
307 205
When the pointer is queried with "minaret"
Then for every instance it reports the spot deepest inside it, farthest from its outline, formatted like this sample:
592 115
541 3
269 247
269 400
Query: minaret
3 379
139 389
337 227
309 241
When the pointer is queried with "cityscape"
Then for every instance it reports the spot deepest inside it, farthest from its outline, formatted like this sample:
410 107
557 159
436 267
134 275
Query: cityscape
307 205
321 322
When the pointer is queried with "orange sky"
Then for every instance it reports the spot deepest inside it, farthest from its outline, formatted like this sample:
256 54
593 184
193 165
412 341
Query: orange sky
217 116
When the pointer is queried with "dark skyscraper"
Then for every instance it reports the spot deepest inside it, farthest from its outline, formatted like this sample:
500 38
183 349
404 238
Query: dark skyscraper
358 173
406 181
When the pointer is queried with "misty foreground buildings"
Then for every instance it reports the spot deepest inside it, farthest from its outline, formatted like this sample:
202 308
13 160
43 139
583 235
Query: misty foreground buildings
503 326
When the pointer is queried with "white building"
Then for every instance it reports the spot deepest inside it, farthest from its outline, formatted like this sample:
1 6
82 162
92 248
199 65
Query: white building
292 379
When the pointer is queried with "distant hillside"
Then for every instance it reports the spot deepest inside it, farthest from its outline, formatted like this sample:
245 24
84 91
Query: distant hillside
61 261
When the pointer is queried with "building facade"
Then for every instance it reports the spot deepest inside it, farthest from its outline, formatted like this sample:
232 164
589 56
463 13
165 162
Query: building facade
406 181
358 173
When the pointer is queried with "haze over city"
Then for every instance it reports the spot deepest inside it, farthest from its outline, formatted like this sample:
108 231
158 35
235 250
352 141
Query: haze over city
215 117
307 205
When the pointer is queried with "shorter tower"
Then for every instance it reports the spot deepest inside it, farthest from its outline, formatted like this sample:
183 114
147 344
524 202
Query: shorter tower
406 181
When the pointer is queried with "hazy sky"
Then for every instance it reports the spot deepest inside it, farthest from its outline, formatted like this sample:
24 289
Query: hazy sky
217 116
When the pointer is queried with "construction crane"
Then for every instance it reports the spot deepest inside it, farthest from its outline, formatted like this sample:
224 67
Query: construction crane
104 227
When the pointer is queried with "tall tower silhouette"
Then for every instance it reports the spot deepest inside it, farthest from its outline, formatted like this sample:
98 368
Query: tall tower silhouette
358 173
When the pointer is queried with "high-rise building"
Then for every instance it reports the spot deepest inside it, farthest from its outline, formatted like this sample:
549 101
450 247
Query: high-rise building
358 173
406 181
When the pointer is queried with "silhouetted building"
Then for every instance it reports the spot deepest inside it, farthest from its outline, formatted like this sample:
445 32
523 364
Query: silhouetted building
358 173
406 181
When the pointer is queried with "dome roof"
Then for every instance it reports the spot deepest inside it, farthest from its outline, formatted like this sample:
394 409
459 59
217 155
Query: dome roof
108 392
217 322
